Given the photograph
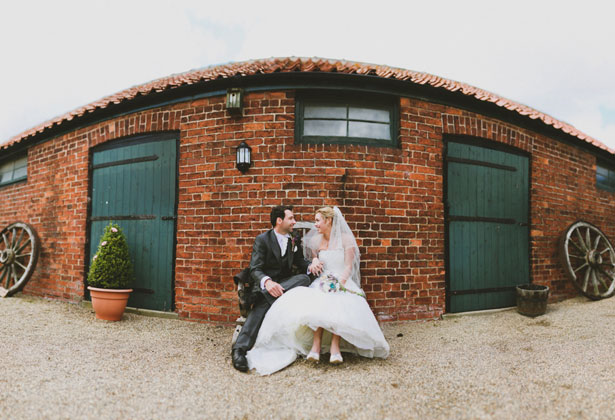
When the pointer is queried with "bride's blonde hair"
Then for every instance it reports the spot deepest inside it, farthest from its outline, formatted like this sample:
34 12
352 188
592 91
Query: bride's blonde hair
326 212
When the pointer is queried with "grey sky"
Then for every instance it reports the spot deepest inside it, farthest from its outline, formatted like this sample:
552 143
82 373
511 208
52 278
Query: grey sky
555 56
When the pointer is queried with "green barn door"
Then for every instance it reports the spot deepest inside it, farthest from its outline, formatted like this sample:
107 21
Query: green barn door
487 225
134 185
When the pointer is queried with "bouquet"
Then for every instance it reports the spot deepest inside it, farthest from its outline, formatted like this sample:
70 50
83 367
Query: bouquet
329 283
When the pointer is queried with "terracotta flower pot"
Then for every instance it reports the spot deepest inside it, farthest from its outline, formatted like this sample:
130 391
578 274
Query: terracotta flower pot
109 304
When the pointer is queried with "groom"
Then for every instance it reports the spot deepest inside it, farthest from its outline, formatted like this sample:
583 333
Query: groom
273 256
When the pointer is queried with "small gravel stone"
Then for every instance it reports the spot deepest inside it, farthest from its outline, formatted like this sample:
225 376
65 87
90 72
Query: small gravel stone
59 362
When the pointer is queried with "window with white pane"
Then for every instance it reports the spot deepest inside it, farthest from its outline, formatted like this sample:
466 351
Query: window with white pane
354 119
14 170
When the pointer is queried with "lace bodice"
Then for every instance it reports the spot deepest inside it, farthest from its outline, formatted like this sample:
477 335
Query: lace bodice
333 260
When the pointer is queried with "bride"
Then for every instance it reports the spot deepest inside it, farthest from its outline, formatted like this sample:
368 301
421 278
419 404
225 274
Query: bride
331 315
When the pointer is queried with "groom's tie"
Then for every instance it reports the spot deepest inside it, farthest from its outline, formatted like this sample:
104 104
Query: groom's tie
289 251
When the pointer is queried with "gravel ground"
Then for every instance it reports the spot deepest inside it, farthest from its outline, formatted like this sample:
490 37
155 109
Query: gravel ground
59 362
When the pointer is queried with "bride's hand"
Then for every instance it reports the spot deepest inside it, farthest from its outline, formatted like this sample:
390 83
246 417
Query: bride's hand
316 267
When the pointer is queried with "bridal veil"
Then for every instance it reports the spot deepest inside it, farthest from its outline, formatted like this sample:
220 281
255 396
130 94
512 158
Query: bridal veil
341 238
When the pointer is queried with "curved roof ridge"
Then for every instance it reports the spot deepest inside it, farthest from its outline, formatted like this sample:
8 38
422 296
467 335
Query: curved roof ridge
303 64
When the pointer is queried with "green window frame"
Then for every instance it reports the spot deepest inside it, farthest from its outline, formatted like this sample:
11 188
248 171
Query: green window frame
347 118
14 170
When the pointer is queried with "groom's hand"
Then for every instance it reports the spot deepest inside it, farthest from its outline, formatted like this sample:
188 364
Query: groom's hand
273 288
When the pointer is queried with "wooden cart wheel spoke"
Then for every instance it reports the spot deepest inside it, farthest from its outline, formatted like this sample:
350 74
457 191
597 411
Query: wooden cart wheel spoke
606 263
586 279
18 241
9 278
21 248
606 274
589 260
20 264
14 238
596 242
18 257
581 249
583 246
603 283
595 282
582 241
5 273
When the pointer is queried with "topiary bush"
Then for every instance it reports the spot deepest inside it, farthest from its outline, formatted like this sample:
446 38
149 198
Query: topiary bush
111 266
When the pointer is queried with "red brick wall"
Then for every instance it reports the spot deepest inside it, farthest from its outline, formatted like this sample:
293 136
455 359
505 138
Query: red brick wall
392 199
562 191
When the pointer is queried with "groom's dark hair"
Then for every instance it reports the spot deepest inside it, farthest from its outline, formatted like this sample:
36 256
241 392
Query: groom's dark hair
279 211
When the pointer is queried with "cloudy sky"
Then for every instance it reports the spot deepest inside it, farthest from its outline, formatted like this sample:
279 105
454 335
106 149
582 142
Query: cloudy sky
555 56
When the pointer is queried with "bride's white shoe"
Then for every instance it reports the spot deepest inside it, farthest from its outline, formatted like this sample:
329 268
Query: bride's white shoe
336 358
313 357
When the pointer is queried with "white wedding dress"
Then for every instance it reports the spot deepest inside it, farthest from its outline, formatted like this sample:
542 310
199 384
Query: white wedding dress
288 328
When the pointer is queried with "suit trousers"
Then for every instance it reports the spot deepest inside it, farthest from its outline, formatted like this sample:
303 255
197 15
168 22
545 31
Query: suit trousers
249 332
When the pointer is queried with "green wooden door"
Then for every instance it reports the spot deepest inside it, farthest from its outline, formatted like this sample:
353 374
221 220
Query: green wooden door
134 185
487 226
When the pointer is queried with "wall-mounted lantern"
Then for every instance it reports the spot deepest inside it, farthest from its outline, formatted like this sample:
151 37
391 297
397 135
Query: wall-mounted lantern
234 101
244 157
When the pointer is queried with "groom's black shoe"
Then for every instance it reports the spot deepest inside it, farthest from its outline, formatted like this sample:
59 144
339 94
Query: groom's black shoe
239 360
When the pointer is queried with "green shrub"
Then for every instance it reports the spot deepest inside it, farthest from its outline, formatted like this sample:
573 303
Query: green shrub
111 266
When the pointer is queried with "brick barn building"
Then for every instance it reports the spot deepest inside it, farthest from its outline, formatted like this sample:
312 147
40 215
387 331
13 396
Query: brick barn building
455 194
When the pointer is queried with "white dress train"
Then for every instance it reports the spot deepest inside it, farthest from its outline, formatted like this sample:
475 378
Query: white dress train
288 328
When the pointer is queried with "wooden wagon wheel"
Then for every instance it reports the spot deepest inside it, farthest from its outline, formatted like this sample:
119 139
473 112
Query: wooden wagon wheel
19 248
589 259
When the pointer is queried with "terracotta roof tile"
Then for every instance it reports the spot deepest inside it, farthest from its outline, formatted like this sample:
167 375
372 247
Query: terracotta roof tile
294 64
